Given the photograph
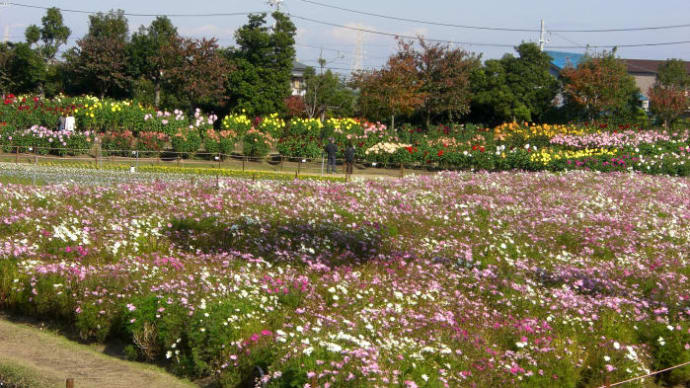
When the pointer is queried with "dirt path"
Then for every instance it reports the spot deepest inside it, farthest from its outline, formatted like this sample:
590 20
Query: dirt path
55 358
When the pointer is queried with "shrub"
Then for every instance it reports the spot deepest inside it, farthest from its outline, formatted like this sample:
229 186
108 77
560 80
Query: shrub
151 141
256 143
186 141
118 143
219 142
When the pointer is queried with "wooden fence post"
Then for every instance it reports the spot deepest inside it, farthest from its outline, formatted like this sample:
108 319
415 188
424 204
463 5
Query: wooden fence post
16 156
69 383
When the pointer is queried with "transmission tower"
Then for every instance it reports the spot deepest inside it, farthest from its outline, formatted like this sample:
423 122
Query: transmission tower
6 36
358 57
275 4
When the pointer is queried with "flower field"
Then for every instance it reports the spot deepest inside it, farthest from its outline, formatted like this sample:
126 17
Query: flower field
28 124
574 279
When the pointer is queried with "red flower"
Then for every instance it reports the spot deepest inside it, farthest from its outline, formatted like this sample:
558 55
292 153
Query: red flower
36 99
410 149
481 149
474 148
440 153
10 95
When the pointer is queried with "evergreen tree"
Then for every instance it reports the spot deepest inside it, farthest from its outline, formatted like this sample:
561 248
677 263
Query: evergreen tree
262 62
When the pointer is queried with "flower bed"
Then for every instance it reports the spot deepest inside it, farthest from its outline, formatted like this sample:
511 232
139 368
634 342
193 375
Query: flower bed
506 279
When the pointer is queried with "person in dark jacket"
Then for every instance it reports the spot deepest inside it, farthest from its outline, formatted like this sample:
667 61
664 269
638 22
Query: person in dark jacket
331 150
349 158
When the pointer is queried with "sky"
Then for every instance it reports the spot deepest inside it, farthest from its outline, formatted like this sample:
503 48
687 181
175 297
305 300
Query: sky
338 46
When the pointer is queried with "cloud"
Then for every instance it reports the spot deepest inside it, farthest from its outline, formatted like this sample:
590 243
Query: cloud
208 30
342 35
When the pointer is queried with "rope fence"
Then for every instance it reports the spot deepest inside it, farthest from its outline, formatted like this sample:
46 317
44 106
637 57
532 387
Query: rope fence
272 162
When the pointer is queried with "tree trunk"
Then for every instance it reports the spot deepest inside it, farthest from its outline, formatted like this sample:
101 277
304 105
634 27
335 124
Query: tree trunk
428 120
392 124
157 94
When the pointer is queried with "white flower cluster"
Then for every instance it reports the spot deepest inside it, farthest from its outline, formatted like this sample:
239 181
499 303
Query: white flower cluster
385 148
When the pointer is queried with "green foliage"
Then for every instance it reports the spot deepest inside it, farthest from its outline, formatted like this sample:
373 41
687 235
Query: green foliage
186 142
257 144
53 32
263 64
512 88
602 88
673 73
326 94
26 68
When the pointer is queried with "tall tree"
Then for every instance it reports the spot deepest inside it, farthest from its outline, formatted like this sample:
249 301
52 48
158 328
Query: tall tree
100 63
6 82
393 90
515 88
53 33
263 64
494 100
109 25
668 97
32 34
445 75
26 68
325 92
668 103
149 58
200 71
601 85
99 60
673 72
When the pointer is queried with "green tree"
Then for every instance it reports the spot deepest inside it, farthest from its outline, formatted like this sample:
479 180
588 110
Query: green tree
602 87
326 93
112 25
149 62
26 68
32 34
669 96
53 33
515 88
262 62
494 101
98 63
445 75
6 82
673 72
393 90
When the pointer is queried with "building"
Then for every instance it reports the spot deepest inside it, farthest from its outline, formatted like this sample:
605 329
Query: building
644 71
297 80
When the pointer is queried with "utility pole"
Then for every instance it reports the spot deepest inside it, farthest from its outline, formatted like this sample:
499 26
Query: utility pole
542 36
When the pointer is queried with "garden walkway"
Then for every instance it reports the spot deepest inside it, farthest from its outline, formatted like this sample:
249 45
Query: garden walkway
52 359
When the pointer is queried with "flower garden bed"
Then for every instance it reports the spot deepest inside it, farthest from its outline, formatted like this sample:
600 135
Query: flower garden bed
122 127
457 279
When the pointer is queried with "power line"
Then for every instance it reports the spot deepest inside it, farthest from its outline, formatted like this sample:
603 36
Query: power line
369 31
396 35
480 44
420 21
489 28
220 14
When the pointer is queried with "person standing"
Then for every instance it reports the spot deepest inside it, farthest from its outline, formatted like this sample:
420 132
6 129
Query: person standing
349 158
331 151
